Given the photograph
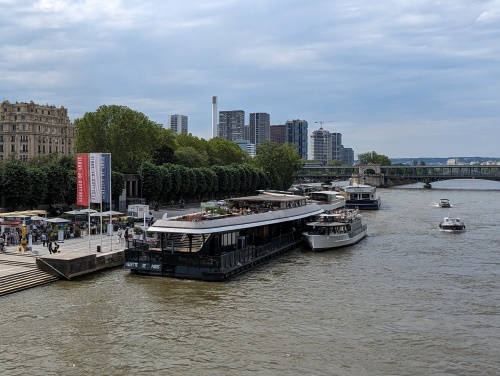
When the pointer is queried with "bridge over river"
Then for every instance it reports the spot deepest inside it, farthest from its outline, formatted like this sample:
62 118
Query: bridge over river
388 176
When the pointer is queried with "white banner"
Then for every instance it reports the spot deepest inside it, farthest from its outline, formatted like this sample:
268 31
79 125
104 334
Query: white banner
95 178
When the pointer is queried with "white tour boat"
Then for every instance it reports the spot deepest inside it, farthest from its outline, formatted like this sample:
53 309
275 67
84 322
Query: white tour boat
362 196
335 230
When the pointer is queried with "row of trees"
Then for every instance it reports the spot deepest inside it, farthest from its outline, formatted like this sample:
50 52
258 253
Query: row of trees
169 181
47 180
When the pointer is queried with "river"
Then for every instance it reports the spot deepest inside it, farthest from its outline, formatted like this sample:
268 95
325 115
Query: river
406 300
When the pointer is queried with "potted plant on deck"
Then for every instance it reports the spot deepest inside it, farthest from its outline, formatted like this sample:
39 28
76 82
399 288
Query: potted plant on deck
137 232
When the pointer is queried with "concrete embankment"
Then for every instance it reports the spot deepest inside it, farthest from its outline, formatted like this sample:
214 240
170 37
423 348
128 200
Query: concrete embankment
78 256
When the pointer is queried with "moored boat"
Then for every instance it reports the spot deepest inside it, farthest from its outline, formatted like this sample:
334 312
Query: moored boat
215 246
452 225
334 230
362 196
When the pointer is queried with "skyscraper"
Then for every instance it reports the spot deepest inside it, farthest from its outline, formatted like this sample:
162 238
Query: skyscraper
178 123
321 146
259 128
277 133
231 125
296 134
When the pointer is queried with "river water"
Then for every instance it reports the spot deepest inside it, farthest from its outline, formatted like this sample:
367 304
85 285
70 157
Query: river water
407 300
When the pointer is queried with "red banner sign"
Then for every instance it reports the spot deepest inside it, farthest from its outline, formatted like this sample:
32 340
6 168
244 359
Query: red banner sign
82 179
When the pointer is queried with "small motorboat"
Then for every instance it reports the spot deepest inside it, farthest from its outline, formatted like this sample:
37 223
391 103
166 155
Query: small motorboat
452 225
444 203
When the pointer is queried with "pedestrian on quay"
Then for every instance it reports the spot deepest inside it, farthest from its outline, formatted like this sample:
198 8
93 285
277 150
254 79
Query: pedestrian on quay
56 248
119 234
51 250
44 239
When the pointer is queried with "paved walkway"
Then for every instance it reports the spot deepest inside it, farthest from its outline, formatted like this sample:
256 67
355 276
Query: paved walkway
86 243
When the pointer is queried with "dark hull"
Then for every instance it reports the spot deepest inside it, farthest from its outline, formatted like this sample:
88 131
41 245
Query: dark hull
183 265
363 204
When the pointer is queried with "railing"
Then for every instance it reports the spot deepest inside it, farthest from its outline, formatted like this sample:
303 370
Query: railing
140 253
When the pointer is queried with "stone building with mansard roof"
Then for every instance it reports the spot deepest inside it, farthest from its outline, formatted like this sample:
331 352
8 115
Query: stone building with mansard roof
29 130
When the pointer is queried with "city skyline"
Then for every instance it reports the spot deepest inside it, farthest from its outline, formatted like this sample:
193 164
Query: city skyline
402 79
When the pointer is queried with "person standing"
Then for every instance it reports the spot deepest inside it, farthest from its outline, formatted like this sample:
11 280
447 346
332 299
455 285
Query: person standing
51 250
44 239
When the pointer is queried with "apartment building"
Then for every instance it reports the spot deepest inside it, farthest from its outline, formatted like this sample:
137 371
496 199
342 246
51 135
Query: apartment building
178 123
29 130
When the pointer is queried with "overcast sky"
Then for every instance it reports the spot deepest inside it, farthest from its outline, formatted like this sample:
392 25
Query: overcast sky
404 78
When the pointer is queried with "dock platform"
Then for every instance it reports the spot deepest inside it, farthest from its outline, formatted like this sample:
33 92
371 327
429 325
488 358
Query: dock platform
78 256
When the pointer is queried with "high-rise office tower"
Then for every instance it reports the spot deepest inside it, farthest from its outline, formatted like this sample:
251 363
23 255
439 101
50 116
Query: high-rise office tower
296 134
231 125
259 128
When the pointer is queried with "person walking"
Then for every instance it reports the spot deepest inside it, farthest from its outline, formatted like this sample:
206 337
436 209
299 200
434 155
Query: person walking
51 250
44 239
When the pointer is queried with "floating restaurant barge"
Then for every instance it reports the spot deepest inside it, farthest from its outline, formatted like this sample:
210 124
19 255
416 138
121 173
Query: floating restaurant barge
223 242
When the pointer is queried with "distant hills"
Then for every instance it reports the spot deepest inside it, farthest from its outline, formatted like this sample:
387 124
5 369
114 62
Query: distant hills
442 161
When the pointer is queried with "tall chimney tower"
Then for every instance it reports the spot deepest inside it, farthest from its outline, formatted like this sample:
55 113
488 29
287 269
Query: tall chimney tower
214 116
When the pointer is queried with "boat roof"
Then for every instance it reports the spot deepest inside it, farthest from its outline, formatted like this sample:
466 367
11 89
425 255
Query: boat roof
268 198
326 224
359 188
234 223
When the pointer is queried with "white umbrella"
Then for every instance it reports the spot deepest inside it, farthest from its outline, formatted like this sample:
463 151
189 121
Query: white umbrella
106 214
86 211
57 220
38 218
74 212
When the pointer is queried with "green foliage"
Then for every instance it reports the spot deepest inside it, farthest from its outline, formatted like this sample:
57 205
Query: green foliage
151 182
335 162
117 184
374 158
280 162
128 135
16 184
222 152
189 156
37 188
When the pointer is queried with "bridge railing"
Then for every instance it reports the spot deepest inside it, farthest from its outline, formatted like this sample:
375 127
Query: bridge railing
328 172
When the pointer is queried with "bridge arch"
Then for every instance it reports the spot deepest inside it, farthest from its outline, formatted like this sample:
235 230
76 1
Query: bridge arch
370 169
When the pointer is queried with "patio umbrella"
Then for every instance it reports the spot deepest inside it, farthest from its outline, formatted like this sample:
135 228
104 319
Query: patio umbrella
57 220
106 214
86 211
38 218
74 212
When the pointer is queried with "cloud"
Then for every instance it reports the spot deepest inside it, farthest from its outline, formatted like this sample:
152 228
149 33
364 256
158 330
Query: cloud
384 68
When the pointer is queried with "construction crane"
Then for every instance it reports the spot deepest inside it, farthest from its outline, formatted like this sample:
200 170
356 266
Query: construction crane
324 122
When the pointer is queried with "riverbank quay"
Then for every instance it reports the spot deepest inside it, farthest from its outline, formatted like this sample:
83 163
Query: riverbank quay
76 257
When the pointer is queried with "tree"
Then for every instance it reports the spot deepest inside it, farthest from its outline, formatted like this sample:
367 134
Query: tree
16 184
335 162
222 152
151 182
280 162
37 190
374 158
128 135
188 156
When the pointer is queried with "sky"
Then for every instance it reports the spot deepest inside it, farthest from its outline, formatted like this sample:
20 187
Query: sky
416 78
